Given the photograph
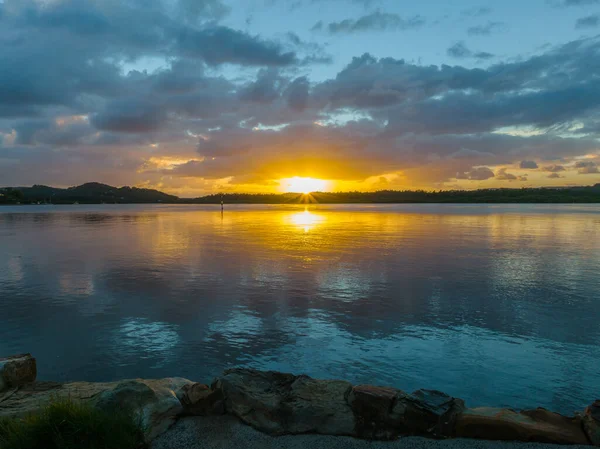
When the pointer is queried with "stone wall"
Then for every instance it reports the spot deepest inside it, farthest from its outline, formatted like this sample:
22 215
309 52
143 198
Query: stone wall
280 403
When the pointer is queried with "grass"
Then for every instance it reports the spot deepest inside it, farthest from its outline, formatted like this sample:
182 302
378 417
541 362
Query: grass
67 424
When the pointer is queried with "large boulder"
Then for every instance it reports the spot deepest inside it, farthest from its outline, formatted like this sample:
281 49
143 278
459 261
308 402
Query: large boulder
155 400
201 400
17 370
319 406
30 398
279 403
372 407
537 425
428 413
386 413
591 422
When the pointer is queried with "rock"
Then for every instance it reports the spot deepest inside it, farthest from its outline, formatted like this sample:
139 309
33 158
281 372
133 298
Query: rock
201 400
318 406
16 371
386 413
255 397
155 400
279 403
591 422
30 398
429 413
537 425
372 408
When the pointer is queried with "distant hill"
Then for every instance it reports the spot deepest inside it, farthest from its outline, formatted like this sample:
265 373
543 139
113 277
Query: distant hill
96 193
89 193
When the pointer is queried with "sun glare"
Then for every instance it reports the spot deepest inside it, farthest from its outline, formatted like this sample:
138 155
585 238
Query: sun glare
306 220
303 185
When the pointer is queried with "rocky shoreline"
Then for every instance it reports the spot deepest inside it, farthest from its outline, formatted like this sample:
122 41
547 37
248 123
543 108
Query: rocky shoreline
283 404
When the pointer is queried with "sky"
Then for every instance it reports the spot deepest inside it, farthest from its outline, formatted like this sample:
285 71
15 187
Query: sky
194 97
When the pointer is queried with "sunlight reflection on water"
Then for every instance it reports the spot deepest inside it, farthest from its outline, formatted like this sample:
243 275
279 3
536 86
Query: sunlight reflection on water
495 304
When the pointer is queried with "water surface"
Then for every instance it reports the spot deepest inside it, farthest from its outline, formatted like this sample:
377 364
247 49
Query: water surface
499 305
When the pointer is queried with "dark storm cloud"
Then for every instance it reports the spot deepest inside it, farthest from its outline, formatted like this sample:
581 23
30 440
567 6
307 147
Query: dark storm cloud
487 29
588 22
376 21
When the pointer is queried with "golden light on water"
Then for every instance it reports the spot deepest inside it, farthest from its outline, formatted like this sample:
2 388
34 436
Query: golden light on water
306 219
298 184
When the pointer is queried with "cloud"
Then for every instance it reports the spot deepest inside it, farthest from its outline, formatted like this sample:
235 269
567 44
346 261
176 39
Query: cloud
460 51
135 116
218 45
553 168
588 22
297 93
265 89
502 175
96 30
67 131
528 165
554 176
566 3
318 26
224 106
487 29
483 55
477 11
376 21
296 4
586 167
193 9
476 174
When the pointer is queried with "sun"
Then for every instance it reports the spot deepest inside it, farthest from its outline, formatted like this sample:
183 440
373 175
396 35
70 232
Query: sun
303 185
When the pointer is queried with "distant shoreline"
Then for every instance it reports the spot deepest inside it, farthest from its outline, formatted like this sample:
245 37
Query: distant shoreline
96 193
301 204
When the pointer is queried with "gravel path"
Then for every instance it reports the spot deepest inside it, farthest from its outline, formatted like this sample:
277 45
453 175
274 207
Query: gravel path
226 432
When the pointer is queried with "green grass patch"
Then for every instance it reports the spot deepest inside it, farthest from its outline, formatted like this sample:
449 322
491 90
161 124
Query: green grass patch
67 424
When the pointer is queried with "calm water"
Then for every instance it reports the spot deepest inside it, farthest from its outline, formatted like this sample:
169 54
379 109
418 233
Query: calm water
499 305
